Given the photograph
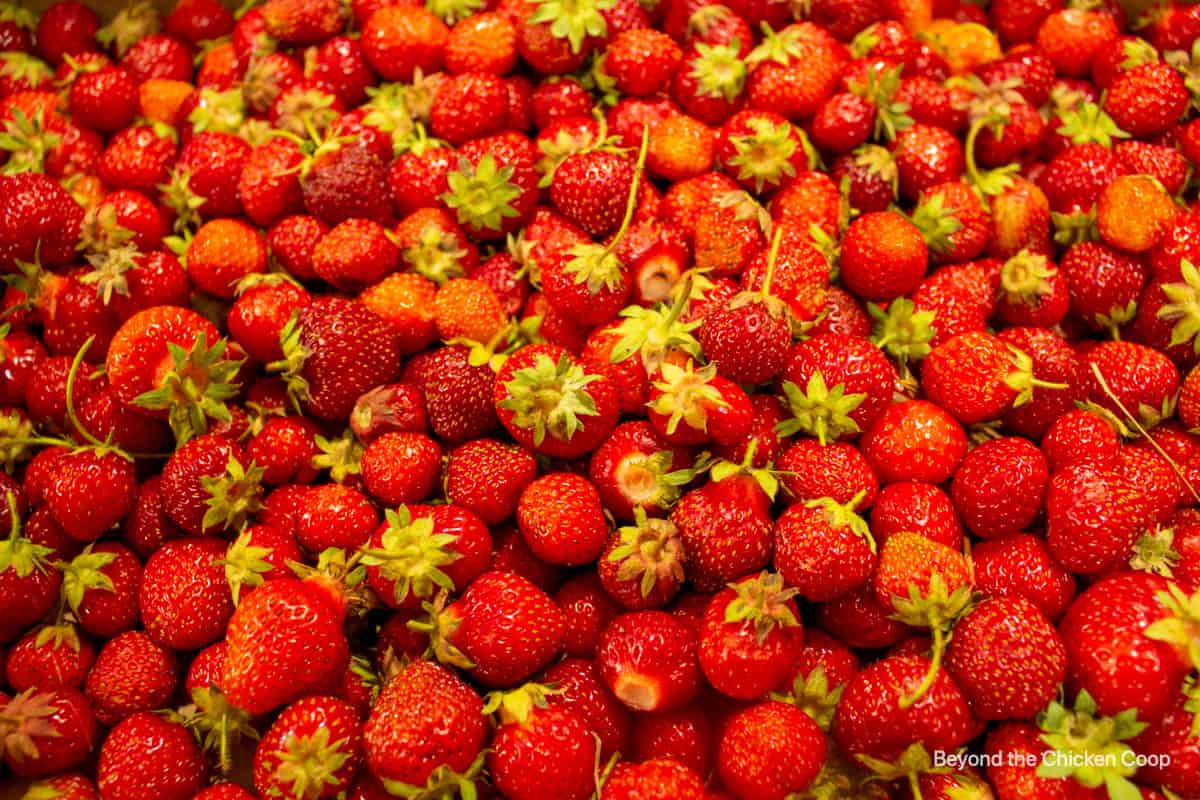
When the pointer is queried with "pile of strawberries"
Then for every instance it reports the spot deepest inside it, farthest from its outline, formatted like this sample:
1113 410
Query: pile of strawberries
615 399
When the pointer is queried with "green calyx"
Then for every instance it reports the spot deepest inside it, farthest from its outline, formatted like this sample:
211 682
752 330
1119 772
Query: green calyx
842 515
291 367
232 497
912 763
308 764
568 142
936 222
819 410
777 46
481 195
218 111
1137 51
130 25
217 725
1154 553
245 565
61 635
102 234
765 155
1088 123
20 554
109 270
23 719
573 20
649 551
550 397
813 695
1096 746
1024 278
719 70
18 15
177 195
195 389
437 254
723 469
1182 627
441 626
991 182
839 780
878 162
901 331
516 706
652 333
388 112
1188 64
411 556
1022 381
1076 227
687 395
15 431
746 208
443 784
937 608
85 573
452 11
27 142
891 115
764 603
302 112
1184 307
341 455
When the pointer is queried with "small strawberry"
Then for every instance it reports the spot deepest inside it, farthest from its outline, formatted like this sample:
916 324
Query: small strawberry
49 657
823 548
635 468
45 732
149 755
999 486
882 255
29 583
539 751
648 659
836 401
312 750
459 395
919 506
399 40
770 750
185 600
642 565
562 520
132 674
690 406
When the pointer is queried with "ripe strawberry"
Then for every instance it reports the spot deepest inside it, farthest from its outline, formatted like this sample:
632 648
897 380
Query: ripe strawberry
40 220
588 610
269 184
458 395
770 750
312 750
1127 378
355 254
184 597
562 520
998 487
47 732
105 484
149 755
346 182
488 477
492 190
710 407
812 471
285 642
631 467
977 377
642 564
334 350
915 506
899 445
208 485
835 402
1146 100
749 637
131 674
883 255
584 411
334 515
725 527
1111 652
29 583
1172 735
485 41
1093 518
1007 658
66 786
398 40
1104 284
871 721
652 779
67 28
649 661
301 23
49 657
823 549
539 751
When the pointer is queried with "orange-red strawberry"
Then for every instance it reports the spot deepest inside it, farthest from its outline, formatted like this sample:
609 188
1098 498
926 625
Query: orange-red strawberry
465 308
223 252
301 22
770 750
538 750
823 549
883 256
648 660
150 755
562 520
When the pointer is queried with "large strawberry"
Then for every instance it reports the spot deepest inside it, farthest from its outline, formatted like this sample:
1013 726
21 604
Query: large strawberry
312 750
540 751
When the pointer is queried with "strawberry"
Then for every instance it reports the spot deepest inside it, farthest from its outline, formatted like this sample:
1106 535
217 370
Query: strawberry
149 755
710 407
835 402
65 786
633 467
823 548
770 750
812 471
897 447
488 477
584 411
1131 379
493 189
334 350
1081 437
334 515
78 477
41 220
469 106
458 395
312 750
49 657
588 609
641 566
420 550
485 41
725 528
882 239
749 637
466 632
539 751
977 377
303 655
1007 658
46 732
1172 735
1104 284
399 40
29 583
299 23
685 737
562 520
794 70
354 254
67 28
132 674
209 485
648 659
184 597
919 506
651 779
992 509
1147 99
1125 230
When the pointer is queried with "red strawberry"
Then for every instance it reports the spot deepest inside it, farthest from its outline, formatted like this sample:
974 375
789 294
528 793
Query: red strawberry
642 565
131 674
539 751
770 750
401 467
823 548
40 220
562 520
285 642
149 755
649 661
812 471
458 395
710 407
883 255
915 506
899 445
1020 565
580 690
427 727
584 408
998 488
684 736
488 477
827 399
1007 658
208 485
29 583
651 779
46 732
184 598
725 527
312 750
49 657
749 637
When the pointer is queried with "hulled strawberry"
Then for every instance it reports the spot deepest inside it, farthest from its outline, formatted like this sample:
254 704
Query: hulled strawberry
648 659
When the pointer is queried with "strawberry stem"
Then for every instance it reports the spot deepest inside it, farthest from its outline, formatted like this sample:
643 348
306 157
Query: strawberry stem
935 663
631 201
772 257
